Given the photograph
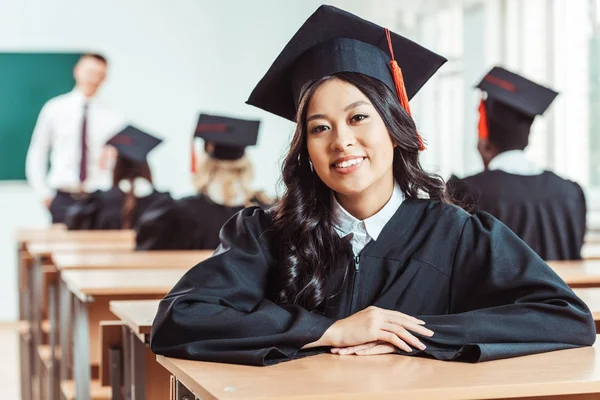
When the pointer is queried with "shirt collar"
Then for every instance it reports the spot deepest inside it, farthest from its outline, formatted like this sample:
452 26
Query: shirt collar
80 97
345 223
514 162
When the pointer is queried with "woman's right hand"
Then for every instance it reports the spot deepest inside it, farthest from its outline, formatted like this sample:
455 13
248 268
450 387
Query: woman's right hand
375 324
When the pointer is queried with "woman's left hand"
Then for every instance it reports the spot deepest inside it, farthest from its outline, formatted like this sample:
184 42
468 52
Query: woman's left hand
367 349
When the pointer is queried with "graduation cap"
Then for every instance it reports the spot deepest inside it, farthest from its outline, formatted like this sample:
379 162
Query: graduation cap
133 143
333 40
511 105
225 138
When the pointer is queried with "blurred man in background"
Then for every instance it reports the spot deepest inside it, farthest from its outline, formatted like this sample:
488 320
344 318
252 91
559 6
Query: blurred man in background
73 128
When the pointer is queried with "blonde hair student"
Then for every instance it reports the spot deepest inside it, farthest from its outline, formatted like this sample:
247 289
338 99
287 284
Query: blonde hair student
223 177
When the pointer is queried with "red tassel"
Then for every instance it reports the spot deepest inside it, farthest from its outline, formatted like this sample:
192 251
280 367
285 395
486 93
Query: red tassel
399 84
193 158
482 127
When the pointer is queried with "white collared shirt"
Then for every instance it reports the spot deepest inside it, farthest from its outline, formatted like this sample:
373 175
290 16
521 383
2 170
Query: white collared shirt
514 162
369 229
58 130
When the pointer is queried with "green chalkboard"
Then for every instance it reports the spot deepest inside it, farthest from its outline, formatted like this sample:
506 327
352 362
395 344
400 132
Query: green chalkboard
27 81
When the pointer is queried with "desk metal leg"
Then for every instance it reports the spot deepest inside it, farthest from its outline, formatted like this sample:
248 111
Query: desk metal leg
66 315
183 393
36 331
116 373
24 347
138 355
127 362
81 351
52 372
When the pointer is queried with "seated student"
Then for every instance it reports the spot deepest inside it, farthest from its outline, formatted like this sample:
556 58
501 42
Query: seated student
132 192
545 210
363 254
223 180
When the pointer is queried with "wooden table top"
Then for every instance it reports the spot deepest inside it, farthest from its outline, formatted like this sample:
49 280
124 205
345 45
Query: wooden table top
26 234
41 249
393 377
139 259
591 297
582 273
116 282
137 315
60 234
591 250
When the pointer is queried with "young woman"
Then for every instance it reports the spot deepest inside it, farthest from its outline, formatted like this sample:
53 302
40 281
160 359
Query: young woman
363 255
132 192
223 179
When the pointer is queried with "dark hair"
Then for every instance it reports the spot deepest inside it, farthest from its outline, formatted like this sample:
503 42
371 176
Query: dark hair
309 247
129 170
95 56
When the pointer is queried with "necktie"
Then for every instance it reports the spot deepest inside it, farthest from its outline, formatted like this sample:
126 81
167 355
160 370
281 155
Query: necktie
83 161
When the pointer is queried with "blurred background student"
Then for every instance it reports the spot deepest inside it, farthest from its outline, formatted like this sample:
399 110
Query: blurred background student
545 210
223 179
132 192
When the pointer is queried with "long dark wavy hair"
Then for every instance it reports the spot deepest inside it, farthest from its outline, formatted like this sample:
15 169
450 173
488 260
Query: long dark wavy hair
129 170
309 247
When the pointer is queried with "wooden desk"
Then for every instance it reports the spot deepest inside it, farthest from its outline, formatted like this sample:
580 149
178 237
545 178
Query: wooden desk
137 316
591 251
591 297
91 290
26 234
34 249
566 374
90 260
139 259
144 377
578 274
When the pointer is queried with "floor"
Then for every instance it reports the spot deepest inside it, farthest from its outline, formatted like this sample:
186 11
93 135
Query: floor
9 364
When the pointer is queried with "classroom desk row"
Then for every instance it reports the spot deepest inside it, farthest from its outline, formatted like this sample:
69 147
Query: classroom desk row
107 298
89 268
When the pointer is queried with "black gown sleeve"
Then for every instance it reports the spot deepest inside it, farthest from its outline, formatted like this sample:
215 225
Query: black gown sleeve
505 301
83 214
219 312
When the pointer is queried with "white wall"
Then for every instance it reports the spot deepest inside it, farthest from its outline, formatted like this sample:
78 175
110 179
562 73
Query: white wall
168 61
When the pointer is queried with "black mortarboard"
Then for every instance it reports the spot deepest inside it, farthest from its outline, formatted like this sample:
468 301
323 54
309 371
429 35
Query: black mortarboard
226 138
511 106
133 143
332 41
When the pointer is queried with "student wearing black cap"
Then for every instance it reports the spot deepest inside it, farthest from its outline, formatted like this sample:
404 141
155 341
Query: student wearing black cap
545 210
362 255
132 192
223 179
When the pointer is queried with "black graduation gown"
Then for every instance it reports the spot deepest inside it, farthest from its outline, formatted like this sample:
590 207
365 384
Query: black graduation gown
102 209
546 211
191 223
484 293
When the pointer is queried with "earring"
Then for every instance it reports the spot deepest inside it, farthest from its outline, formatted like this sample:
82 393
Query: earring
312 168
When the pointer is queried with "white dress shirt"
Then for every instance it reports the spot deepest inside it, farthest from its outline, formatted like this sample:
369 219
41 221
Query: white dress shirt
514 162
369 229
58 130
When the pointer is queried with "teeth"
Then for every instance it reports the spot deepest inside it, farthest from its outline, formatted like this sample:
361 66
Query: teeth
349 163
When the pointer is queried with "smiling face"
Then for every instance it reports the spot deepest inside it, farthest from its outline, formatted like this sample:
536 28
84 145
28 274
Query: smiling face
348 143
